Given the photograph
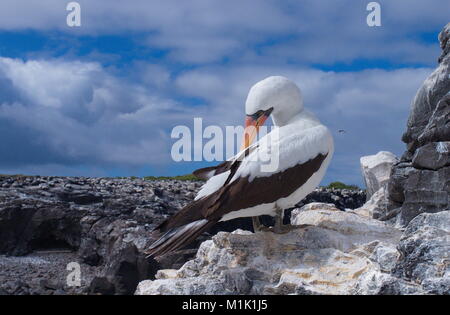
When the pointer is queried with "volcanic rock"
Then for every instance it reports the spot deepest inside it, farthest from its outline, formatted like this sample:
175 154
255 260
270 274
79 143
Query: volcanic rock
104 225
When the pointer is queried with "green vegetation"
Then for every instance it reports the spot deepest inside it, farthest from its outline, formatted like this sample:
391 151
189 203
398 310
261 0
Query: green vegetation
340 185
180 177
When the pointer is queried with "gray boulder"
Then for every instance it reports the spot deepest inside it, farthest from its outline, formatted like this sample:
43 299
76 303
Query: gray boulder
432 156
434 90
425 191
418 264
425 252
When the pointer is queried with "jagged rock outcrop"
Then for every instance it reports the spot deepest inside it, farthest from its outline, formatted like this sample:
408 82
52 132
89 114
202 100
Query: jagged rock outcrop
376 207
329 252
421 260
425 252
420 182
376 170
125 268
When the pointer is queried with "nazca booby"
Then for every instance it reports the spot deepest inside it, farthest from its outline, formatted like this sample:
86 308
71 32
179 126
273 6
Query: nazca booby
239 187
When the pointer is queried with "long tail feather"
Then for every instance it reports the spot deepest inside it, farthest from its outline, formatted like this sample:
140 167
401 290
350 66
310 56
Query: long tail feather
178 237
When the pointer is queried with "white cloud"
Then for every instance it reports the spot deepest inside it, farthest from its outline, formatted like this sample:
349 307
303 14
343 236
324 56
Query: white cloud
85 114
80 114
199 31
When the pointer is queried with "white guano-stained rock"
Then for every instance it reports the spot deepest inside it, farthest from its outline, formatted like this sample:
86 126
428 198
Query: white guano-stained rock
326 253
376 207
347 230
376 170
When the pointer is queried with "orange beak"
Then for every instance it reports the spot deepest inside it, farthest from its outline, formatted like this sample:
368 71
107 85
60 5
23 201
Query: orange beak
252 125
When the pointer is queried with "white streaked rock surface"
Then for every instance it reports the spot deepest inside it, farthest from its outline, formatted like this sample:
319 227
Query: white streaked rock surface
376 207
376 170
327 253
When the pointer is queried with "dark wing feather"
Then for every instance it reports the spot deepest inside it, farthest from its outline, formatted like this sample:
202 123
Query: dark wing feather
200 215
208 172
188 223
242 193
198 209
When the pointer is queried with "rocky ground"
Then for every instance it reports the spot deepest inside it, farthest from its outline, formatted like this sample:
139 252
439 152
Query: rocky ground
41 272
103 224
327 252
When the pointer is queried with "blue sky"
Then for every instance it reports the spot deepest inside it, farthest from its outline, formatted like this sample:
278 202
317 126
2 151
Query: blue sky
102 99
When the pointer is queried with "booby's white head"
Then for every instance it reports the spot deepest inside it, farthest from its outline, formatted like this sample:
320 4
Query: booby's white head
275 92
274 96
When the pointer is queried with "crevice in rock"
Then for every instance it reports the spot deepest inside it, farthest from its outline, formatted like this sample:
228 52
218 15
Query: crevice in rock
51 243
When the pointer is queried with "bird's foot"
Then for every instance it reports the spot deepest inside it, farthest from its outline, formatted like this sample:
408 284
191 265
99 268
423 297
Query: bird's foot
279 227
258 227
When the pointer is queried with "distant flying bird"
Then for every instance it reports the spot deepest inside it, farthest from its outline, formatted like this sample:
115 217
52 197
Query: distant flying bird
239 187
342 131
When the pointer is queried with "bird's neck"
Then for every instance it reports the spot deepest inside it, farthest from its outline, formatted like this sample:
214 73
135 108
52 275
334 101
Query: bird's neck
301 116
